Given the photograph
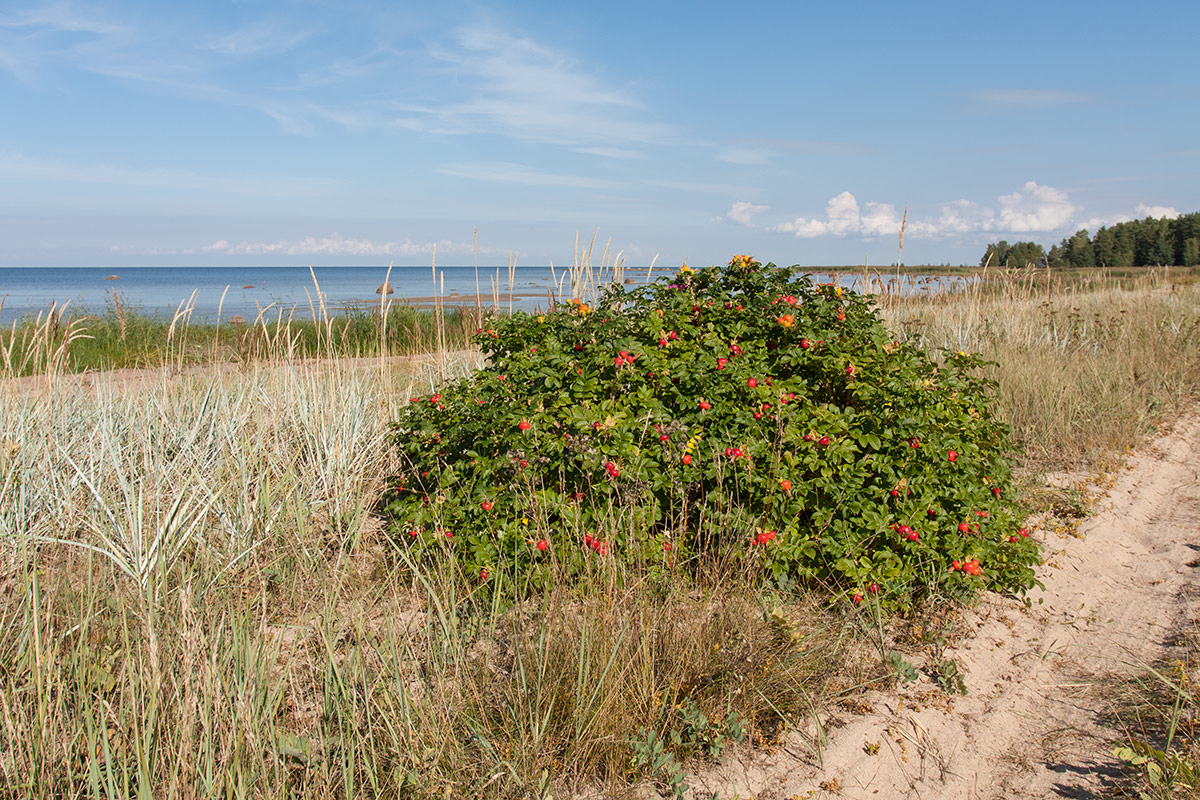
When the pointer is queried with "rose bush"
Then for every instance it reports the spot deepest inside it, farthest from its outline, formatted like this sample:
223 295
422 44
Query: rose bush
739 412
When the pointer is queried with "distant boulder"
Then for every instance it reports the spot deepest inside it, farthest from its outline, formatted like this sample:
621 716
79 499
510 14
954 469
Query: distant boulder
386 288
112 278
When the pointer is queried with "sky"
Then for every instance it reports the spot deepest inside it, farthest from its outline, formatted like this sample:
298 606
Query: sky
322 133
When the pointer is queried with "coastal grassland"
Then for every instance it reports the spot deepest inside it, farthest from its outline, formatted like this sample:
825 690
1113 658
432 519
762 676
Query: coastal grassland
118 336
196 598
1088 363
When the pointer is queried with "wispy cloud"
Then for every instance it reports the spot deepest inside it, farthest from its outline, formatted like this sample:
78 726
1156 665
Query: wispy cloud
518 87
18 166
504 172
761 150
336 244
261 38
163 58
609 152
482 79
743 213
38 34
68 17
746 156
1030 97
702 188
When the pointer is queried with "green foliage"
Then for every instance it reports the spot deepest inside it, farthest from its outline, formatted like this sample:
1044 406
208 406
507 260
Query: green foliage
1137 243
737 412
1019 254
652 757
948 676
122 334
1166 773
689 731
902 669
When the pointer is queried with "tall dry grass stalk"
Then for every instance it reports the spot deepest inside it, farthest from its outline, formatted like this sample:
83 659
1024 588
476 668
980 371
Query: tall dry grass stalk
55 343
1086 365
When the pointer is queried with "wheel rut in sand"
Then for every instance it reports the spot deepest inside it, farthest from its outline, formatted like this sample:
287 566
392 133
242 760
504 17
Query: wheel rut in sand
1032 725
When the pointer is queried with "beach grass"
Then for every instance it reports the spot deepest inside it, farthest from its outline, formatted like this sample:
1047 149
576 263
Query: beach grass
197 598
1087 363
120 337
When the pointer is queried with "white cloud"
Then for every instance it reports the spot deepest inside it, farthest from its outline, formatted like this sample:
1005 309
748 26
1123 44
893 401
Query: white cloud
963 216
742 212
608 152
843 217
745 156
19 166
336 244
262 38
1158 212
761 150
519 87
1034 209
702 188
60 17
1031 209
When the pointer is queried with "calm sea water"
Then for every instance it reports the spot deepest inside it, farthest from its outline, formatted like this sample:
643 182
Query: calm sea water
160 290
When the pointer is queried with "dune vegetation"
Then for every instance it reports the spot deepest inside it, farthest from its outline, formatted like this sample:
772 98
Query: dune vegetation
202 591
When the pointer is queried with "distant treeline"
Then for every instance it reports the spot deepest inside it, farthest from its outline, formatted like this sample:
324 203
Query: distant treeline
1139 243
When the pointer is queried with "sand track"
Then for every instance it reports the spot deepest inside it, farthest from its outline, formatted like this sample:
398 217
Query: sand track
1032 725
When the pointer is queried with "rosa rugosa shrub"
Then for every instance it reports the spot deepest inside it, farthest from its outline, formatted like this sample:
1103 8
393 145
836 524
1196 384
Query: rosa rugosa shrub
740 411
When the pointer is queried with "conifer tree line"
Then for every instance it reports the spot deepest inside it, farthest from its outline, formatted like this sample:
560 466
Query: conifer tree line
1139 243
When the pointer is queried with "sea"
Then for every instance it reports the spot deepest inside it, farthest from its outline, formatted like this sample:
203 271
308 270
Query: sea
221 292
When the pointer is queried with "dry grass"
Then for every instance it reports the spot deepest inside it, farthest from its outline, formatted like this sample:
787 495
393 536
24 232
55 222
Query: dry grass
195 599
1087 365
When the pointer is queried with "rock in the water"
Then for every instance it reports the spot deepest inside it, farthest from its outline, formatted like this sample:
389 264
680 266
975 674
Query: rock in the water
112 278
386 288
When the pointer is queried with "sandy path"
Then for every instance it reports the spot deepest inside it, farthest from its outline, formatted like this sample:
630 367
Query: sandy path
1031 725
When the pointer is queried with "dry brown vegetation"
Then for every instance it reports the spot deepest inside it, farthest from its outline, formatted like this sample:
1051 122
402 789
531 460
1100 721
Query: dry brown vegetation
196 598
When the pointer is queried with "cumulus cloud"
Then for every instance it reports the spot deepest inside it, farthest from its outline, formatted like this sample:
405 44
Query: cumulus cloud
742 212
964 216
844 217
1158 212
1034 209
336 244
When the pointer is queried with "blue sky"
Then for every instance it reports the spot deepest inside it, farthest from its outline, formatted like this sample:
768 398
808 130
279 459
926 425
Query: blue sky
362 133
